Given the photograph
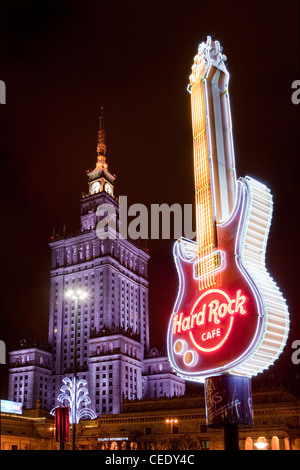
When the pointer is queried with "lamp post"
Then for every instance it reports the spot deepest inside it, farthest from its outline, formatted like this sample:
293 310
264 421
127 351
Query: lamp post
75 295
171 422
261 443
53 435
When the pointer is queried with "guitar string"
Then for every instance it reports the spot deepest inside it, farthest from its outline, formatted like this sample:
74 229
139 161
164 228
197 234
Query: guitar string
204 219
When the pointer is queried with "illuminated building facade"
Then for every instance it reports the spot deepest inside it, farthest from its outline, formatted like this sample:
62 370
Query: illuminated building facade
30 374
113 349
146 424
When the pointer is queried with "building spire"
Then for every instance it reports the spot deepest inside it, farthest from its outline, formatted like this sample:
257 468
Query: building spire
101 145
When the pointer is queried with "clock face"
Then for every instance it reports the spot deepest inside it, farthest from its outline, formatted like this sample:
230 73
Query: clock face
108 188
95 187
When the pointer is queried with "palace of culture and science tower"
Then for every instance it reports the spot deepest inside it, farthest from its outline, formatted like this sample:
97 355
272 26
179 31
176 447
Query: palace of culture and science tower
112 347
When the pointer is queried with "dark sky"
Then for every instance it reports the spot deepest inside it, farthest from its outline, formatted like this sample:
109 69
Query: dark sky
62 60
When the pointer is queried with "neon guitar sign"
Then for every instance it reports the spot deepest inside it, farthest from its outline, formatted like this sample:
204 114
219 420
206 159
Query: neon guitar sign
229 315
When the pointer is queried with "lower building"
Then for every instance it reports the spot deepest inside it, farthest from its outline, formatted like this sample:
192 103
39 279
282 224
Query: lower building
30 374
161 424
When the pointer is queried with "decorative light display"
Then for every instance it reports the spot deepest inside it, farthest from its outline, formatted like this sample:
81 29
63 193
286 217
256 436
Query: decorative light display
229 315
78 408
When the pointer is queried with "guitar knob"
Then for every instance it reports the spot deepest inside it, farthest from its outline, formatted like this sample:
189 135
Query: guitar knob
180 347
190 358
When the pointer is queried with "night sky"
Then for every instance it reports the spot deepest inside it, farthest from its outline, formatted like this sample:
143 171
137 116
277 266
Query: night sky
62 60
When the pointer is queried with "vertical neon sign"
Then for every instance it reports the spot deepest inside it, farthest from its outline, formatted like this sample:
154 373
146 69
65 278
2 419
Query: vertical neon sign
229 315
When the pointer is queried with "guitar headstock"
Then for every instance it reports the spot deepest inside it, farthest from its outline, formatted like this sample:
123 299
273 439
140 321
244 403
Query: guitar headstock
209 54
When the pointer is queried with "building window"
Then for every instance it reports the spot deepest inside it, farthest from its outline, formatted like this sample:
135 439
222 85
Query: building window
204 445
248 443
149 446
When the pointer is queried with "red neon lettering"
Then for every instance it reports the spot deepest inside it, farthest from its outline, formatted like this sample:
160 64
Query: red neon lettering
240 300
223 309
193 318
186 323
177 323
211 334
229 306
201 316
213 314
213 311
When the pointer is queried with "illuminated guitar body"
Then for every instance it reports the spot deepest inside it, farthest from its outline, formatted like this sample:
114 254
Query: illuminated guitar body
229 315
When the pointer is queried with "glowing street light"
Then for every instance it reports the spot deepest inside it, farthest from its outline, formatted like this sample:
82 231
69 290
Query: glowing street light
75 294
261 444
171 422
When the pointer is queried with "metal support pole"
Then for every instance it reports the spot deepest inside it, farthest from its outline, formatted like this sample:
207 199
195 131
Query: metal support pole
231 437
75 374
228 404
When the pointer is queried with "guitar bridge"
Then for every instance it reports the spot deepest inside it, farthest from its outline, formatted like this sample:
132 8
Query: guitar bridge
210 264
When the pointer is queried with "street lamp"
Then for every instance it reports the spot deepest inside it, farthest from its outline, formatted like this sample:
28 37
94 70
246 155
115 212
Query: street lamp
75 295
171 422
52 428
261 443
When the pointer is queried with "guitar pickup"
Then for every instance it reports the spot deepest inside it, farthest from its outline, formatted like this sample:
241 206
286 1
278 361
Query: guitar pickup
210 264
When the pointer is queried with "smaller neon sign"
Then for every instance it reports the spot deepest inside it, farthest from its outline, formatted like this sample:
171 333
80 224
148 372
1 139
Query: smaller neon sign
8 406
109 439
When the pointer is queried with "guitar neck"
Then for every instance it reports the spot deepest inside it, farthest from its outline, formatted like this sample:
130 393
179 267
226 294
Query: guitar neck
203 194
214 163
